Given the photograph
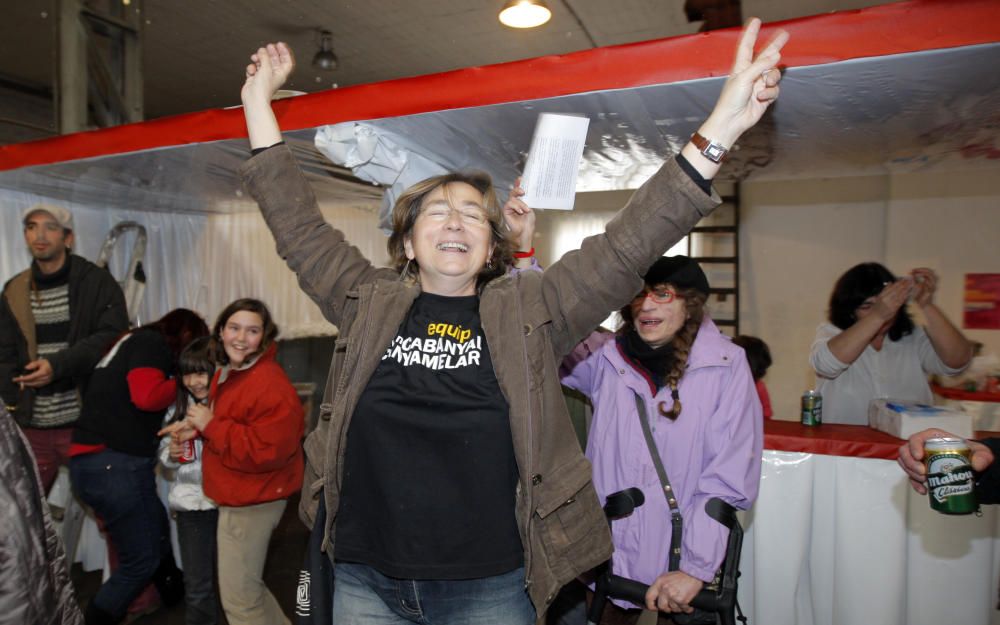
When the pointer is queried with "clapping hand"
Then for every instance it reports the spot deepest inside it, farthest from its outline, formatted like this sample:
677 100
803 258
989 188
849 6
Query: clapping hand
925 284
892 297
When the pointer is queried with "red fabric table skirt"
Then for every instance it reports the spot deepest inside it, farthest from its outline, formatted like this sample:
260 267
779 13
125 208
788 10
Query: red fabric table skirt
859 441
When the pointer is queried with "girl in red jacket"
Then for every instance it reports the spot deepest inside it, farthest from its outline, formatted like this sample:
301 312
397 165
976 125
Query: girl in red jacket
252 461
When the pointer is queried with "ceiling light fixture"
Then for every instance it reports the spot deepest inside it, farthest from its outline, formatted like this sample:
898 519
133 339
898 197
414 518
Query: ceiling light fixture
325 59
524 13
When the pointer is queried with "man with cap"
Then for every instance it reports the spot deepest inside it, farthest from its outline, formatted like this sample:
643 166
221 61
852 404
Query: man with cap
668 365
57 318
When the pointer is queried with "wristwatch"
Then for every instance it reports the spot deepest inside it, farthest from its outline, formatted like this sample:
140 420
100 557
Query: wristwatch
709 149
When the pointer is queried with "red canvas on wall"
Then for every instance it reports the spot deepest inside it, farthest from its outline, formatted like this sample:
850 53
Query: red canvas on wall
982 301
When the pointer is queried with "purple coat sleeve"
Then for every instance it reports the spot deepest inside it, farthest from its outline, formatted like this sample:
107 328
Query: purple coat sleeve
732 452
579 367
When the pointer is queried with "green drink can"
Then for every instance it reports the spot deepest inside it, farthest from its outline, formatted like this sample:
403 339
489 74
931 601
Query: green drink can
812 408
950 482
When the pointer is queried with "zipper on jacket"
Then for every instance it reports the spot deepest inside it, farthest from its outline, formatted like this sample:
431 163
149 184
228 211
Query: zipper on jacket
530 432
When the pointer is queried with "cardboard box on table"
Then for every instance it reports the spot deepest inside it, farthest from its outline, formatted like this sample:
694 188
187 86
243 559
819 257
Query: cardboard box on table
905 418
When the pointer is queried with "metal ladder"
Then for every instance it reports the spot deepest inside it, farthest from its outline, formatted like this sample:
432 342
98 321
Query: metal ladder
715 244
134 282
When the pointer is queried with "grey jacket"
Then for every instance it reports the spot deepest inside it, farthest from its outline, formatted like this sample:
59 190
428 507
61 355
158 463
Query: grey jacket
97 317
530 320
34 577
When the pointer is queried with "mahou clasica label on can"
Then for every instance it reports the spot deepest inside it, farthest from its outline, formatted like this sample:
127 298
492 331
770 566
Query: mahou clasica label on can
950 482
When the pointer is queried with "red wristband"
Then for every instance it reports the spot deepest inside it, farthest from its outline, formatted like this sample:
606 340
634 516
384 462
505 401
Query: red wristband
527 254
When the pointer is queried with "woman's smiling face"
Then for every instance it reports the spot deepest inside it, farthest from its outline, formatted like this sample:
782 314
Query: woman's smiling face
241 336
658 314
196 384
451 239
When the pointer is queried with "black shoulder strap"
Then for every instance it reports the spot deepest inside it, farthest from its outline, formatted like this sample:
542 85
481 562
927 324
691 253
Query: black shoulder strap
676 523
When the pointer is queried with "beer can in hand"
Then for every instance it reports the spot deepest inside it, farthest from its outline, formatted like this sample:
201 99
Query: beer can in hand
188 452
812 408
950 481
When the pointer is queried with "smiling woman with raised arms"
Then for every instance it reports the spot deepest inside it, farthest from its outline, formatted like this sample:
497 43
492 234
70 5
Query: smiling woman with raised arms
453 483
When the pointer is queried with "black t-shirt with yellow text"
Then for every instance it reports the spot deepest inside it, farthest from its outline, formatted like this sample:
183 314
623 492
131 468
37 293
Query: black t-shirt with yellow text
429 470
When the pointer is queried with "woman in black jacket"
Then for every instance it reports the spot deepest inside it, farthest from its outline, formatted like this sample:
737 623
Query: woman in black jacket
114 453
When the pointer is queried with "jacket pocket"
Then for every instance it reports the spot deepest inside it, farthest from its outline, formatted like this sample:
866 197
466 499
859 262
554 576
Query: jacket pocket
567 505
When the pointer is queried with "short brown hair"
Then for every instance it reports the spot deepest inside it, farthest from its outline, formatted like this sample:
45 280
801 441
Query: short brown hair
408 207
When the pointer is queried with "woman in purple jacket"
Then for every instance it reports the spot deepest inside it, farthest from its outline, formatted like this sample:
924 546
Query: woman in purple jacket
701 405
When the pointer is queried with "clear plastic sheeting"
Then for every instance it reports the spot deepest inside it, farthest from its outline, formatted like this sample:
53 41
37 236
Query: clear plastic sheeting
379 158
200 178
834 540
872 116
201 261
913 112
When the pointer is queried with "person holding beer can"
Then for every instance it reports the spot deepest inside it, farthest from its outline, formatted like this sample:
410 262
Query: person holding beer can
913 457
196 514
871 349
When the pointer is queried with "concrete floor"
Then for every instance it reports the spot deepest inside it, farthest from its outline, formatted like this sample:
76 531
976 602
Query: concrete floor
284 558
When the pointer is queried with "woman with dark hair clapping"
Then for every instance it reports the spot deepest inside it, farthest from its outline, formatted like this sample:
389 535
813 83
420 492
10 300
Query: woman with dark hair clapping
871 349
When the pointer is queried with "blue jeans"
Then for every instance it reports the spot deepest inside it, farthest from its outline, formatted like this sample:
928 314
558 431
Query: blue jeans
196 538
122 491
363 596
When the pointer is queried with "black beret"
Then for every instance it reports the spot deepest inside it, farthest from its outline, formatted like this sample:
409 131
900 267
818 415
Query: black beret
680 271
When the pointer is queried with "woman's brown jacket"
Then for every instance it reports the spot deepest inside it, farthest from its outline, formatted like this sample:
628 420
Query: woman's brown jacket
530 321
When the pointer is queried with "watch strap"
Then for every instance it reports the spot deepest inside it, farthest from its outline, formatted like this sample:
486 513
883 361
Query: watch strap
711 150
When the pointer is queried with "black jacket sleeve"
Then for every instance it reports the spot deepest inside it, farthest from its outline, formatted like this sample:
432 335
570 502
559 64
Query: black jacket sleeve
107 320
988 484
10 358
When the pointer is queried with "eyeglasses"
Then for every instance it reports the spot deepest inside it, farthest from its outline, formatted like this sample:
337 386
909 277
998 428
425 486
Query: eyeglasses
440 213
660 296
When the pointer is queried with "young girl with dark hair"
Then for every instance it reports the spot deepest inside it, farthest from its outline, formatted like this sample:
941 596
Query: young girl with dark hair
114 453
759 358
699 400
854 362
196 514
252 429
